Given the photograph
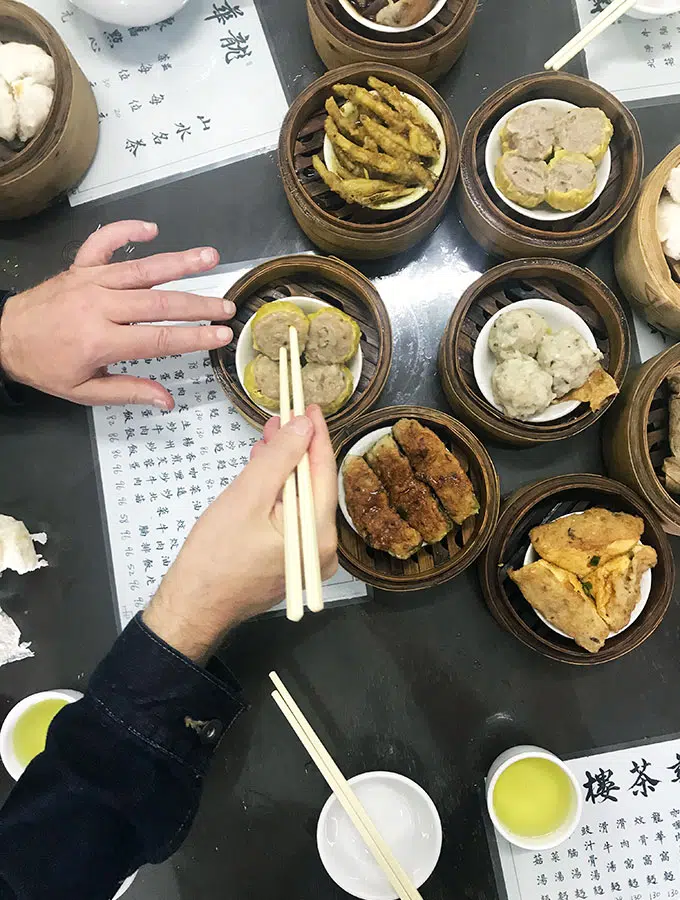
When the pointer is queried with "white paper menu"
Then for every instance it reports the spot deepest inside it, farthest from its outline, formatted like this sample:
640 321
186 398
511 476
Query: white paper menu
634 59
627 846
195 91
159 470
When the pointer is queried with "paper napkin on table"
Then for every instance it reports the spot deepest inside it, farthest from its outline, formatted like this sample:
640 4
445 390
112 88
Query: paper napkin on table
16 547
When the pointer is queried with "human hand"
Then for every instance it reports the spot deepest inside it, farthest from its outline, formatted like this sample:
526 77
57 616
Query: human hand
60 336
231 566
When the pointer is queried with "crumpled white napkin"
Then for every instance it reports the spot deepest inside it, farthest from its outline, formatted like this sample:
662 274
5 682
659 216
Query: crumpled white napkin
11 648
16 547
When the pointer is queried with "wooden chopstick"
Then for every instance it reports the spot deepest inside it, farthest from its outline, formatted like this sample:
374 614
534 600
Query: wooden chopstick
291 532
349 801
593 29
310 545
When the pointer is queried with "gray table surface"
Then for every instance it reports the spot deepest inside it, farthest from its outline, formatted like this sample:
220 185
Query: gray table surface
424 684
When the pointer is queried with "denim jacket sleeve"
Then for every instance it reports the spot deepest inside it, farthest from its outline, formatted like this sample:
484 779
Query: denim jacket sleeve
120 779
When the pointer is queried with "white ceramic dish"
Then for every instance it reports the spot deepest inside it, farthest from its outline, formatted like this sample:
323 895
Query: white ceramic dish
557 316
125 885
417 193
406 818
363 445
645 589
245 352
542 213
545 842
654 9
131 13
352 11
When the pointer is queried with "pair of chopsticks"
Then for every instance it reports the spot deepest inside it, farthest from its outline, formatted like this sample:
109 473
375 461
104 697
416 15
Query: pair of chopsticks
592 30
349 801
298 495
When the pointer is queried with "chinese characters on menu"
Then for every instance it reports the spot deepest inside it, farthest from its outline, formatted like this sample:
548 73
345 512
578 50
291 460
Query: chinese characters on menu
634 59
627 846
194 91
159 469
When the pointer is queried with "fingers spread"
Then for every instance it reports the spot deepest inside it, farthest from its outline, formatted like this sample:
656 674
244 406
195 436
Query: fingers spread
98 249
153 270
324 469
167 306
120 390
264 477
149 341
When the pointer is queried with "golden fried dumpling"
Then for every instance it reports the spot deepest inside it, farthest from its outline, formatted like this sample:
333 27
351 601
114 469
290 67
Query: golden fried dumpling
329 387
582 541
333 337
522 180
531 131
572 181
586 130
559 597
270 327
615 585
261 381
598 388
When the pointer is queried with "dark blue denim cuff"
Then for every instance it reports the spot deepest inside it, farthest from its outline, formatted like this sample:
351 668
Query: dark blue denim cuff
163 698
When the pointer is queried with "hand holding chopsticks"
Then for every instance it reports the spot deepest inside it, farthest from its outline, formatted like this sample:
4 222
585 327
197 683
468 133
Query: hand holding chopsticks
593 29
394 872
302 501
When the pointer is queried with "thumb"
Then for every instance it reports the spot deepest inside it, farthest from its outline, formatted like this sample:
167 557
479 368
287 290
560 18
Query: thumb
120 390
265 475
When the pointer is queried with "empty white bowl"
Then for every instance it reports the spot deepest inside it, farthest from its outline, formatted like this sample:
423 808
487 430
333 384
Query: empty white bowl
436 169
494 151
654 9
645 589
131 13
557 316
352 11
406 818
545 842
245 352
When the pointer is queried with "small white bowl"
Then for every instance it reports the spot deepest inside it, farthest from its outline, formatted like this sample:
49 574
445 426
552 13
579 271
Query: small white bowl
9 758
125 885
647 10
436 169
645 589
363 445
494 151
352 11
131 13
245 352
548 841
557 316
406 818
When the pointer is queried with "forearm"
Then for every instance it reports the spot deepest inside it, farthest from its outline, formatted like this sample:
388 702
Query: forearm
120 779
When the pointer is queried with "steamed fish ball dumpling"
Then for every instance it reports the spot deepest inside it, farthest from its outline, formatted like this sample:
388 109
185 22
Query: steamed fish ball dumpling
26 61
333 337
568 359
261 381
668 226
270 327
34 102
587 131
530 131
572 181
521 387
517 332
9 114
329 387
522 180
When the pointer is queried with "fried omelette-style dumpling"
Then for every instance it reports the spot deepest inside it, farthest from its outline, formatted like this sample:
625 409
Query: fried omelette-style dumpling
379 525
572 181
412 499
615 585
522 180
558 596
333 337
434 464
270 327
261 381
580 542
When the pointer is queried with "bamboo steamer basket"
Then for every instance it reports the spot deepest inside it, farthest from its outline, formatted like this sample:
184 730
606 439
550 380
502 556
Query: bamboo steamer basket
636 436
552 279
332 281
503 231
441 562
57 158
545 501
348 230
642 270
429 51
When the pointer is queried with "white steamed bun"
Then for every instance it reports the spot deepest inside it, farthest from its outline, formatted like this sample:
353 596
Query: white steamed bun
34 102
26 61
9 114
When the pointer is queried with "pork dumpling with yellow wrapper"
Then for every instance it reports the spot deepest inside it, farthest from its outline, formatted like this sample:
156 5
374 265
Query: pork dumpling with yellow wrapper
572 181
327 386
261 381
531 131
522 180
585 130
270 327
333 337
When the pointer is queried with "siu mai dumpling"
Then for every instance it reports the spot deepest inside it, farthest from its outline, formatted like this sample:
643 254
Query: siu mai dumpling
522 180
329 387
586 130
572 181
271 324
261 381
333 337
531 131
